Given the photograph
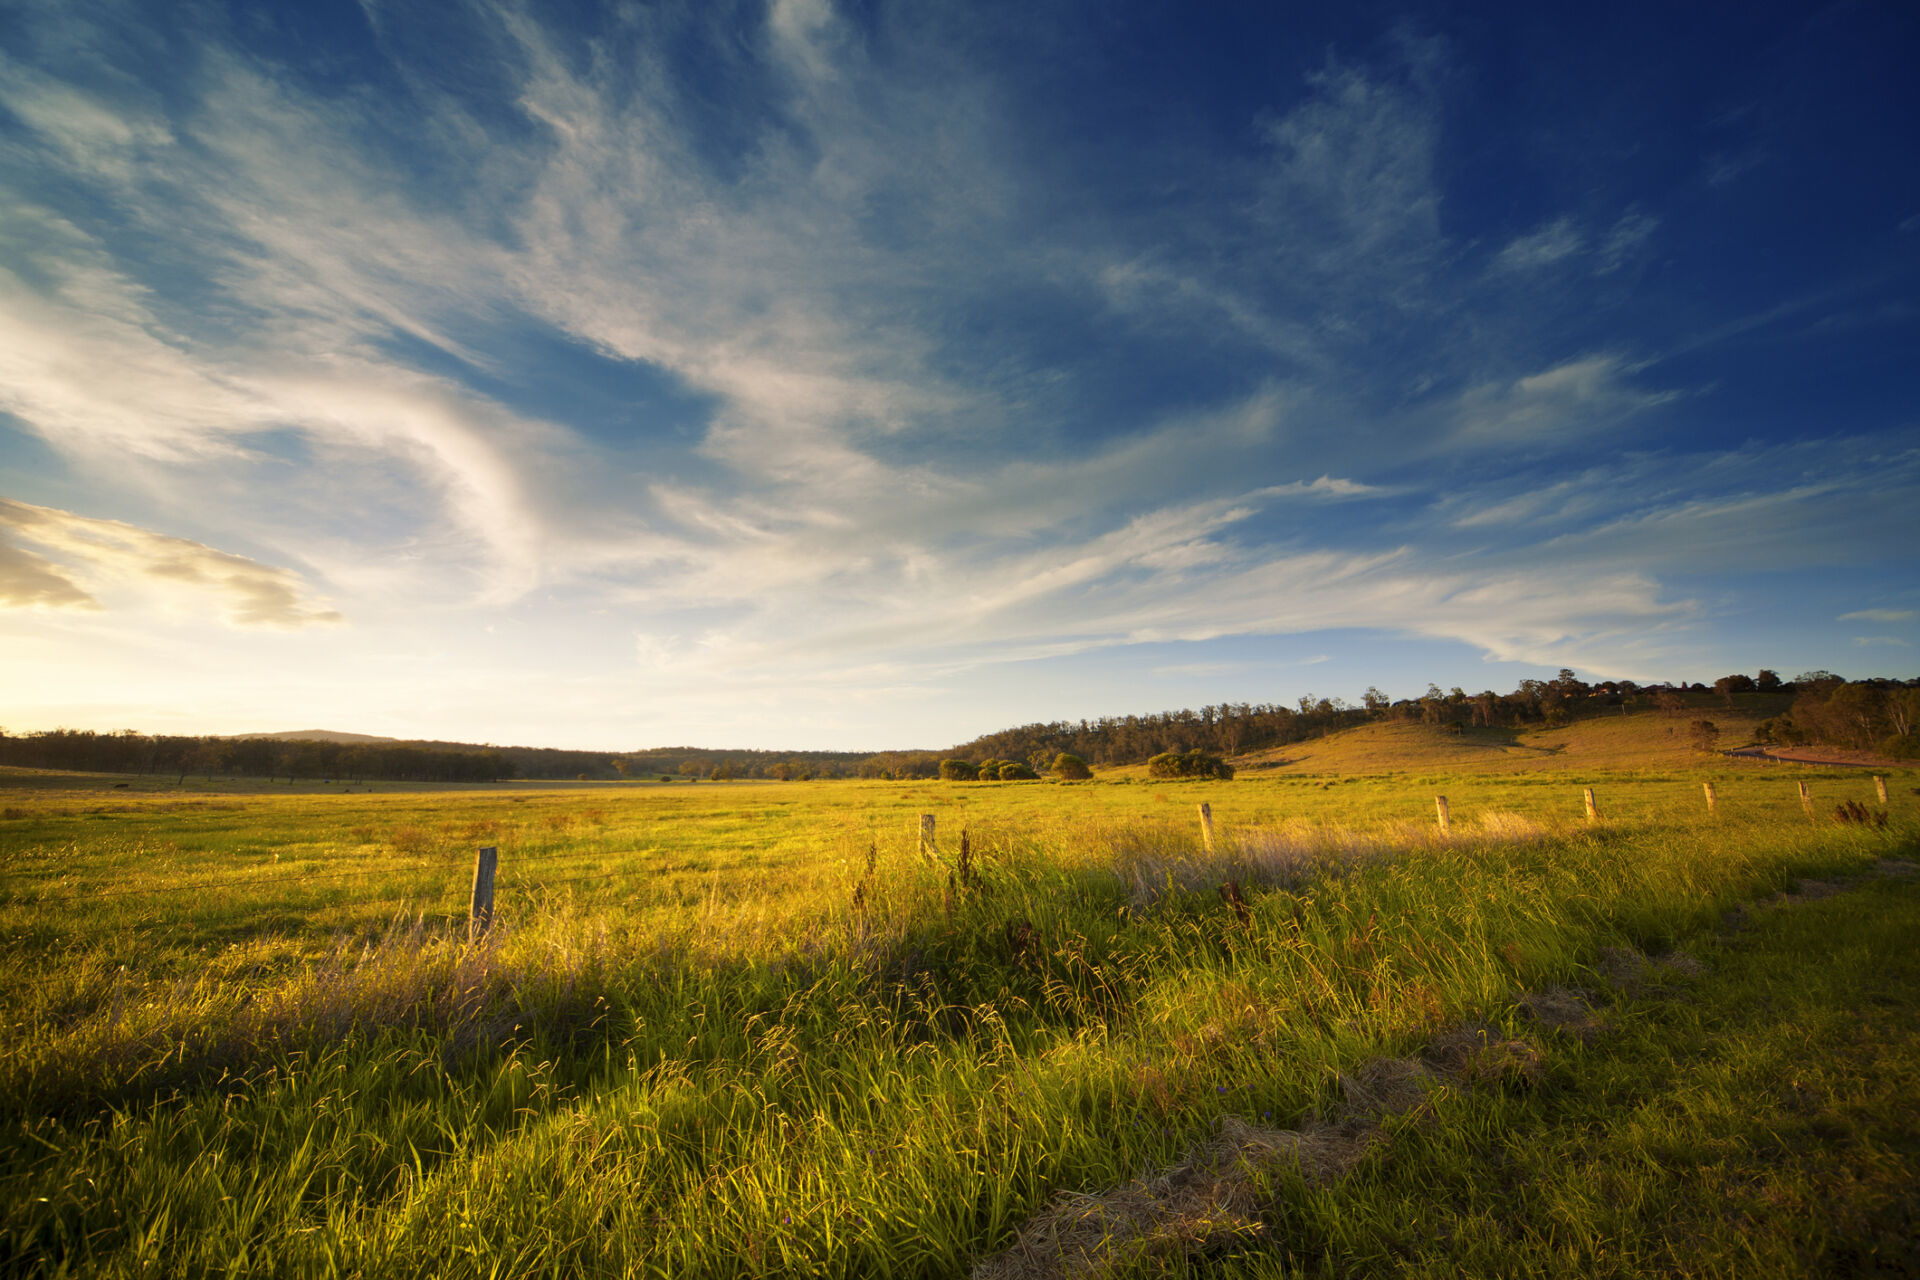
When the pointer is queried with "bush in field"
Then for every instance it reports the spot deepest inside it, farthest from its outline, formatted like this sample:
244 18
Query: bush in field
1189 764
959 771
1014 771
1703 733
1071 768
1901 746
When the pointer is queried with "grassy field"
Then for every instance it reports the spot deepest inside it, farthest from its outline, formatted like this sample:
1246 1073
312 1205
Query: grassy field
1635 741
752 1030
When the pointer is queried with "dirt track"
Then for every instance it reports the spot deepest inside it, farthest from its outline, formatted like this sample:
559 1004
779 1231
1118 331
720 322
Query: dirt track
1847 760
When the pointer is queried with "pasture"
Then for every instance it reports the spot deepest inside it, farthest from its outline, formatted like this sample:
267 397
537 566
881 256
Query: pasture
756 1030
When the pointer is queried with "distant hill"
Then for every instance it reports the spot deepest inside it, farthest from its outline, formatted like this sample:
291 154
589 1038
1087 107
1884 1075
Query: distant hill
309 735
1644 738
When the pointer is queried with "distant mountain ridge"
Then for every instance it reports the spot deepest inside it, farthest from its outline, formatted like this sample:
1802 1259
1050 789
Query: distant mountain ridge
310 735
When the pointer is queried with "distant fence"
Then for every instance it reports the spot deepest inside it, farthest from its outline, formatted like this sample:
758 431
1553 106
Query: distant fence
480 905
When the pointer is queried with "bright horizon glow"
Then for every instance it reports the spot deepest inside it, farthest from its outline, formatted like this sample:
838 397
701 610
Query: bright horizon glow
799 375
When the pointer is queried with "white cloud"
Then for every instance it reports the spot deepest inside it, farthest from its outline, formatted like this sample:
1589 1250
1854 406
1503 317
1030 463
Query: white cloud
872 503
1877 615
1555 241
1569 401
1354 167
1324 487
1628 236
28 580
110 554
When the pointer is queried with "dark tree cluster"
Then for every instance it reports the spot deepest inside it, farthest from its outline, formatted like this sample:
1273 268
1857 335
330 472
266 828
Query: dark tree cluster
1188 764
737 763
128 752
1870 715
1225 729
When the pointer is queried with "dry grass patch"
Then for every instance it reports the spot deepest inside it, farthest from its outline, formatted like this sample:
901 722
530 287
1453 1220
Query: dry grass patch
1564 1009
1209 1199
1478 1054
1388 1087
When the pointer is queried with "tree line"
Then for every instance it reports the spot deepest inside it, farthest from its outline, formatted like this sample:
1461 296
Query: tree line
128 752
1874 715
1816 707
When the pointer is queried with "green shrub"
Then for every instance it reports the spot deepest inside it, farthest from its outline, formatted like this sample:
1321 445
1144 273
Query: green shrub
1901 746
1014 771
959 771
1071 768
1190 764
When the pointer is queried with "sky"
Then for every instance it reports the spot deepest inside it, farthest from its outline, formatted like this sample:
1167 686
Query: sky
872 375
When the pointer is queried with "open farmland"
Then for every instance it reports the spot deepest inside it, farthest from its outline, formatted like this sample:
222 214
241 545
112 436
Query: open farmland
753 1030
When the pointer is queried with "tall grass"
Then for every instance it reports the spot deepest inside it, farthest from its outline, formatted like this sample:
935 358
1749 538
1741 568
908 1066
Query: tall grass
882 1068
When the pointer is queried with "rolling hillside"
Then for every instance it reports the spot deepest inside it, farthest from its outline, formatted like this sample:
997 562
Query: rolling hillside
1640 739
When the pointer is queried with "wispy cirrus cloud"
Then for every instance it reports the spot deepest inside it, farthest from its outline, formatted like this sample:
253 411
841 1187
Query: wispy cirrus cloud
1572 401
1556 241
803 357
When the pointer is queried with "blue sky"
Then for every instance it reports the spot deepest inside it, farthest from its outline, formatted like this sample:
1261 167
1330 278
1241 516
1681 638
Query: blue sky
868 375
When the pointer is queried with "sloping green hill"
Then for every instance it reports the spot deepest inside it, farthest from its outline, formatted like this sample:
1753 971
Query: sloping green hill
1639 739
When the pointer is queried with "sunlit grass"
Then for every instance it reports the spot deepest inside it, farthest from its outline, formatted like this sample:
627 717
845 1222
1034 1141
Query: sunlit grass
752 1030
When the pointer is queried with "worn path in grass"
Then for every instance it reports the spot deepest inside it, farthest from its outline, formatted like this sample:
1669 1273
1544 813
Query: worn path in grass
1762 1119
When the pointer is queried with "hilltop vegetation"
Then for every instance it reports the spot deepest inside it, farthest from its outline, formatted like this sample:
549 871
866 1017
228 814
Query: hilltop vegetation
1818 707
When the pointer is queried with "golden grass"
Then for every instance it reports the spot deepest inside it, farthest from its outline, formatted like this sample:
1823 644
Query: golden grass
1640 740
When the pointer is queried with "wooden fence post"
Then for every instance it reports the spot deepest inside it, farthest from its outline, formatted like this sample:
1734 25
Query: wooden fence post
1206 826
927 846
1806 798
1446 817
480 912
1880 785
1712 804
1593 810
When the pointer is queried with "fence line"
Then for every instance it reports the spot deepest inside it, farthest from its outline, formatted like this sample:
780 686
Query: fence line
481 903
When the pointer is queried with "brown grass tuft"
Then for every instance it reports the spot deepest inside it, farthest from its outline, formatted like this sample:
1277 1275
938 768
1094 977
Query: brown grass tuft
1207 1200
1563 1009
1478 1054
1388 1086
1682 965
1622 967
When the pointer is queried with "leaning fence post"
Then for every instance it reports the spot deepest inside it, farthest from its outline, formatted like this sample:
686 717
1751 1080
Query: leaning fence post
1712 804
1593 810
927 846
480 913
1206 825
1446 817
1880 785
1806 798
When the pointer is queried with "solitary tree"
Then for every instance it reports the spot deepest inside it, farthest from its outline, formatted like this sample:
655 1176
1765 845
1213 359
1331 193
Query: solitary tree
1070 768
1727 686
